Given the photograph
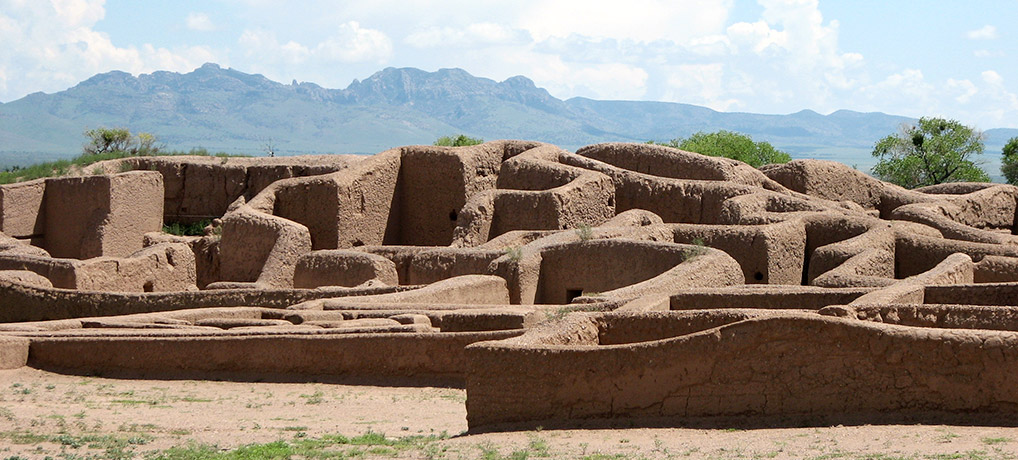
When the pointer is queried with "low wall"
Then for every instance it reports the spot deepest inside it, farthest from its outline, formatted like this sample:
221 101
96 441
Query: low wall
766 297
973 294
361 356
24 303
799 367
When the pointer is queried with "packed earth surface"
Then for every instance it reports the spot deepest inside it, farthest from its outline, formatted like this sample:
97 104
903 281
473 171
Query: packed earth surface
509 299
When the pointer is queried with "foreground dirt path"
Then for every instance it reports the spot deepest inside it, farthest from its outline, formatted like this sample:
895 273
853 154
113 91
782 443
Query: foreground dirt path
44 415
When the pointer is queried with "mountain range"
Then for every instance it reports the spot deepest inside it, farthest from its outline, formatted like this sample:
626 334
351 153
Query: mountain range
228 110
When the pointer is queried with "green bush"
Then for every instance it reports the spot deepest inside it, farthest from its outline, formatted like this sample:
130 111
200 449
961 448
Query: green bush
728 144
458 141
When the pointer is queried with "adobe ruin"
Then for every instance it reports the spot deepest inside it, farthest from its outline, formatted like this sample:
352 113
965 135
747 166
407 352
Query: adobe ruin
621 282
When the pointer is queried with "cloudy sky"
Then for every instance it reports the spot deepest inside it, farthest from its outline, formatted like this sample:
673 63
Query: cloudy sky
938 58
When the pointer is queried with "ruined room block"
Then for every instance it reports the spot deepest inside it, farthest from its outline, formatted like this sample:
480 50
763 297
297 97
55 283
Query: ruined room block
94 216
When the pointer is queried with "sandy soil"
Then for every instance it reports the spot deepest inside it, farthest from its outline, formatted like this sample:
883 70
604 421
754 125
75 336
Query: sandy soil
60 416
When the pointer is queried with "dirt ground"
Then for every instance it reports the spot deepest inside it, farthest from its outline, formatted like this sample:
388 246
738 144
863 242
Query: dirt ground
48 415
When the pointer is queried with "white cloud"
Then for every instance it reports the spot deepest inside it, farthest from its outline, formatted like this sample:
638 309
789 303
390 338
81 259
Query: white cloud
50 46
636 20
992 78
965 89
701 84
350 43
756 37
353 43
478 34
787 60
988 53
986 32
200 22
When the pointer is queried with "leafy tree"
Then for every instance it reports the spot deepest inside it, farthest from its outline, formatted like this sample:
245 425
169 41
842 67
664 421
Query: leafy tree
1009 161
458 141
931 152
730 144
109 140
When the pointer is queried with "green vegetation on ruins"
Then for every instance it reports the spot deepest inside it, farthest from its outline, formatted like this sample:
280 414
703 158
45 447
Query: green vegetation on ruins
192 229
729 144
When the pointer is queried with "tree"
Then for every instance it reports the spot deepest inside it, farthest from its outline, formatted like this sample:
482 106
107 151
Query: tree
106 140
930 152
1009 161
458 141
732 145
119 140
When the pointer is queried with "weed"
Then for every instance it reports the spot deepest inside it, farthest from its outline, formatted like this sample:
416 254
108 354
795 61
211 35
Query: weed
948 436
314 398
699 249
538 446
515 253
192 229
561 312
194 400
584 231
488 451
992 441
98 171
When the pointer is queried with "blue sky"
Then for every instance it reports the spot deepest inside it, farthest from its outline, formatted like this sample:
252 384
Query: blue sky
934 58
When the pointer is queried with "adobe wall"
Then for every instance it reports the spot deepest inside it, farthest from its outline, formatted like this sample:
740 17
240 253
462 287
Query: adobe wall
421 356
200 187
836 182
536 192
166 267
92 216
676 164
675 200
973 294
437 264
13 352
22 210
434 185
806 367
357 207
27 303
766 297
915 254
205 250
593 267
587 200
768 254
60 272
261 248
993 318
342 268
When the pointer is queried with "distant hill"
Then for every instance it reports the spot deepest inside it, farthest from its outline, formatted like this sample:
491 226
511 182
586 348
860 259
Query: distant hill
228 110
